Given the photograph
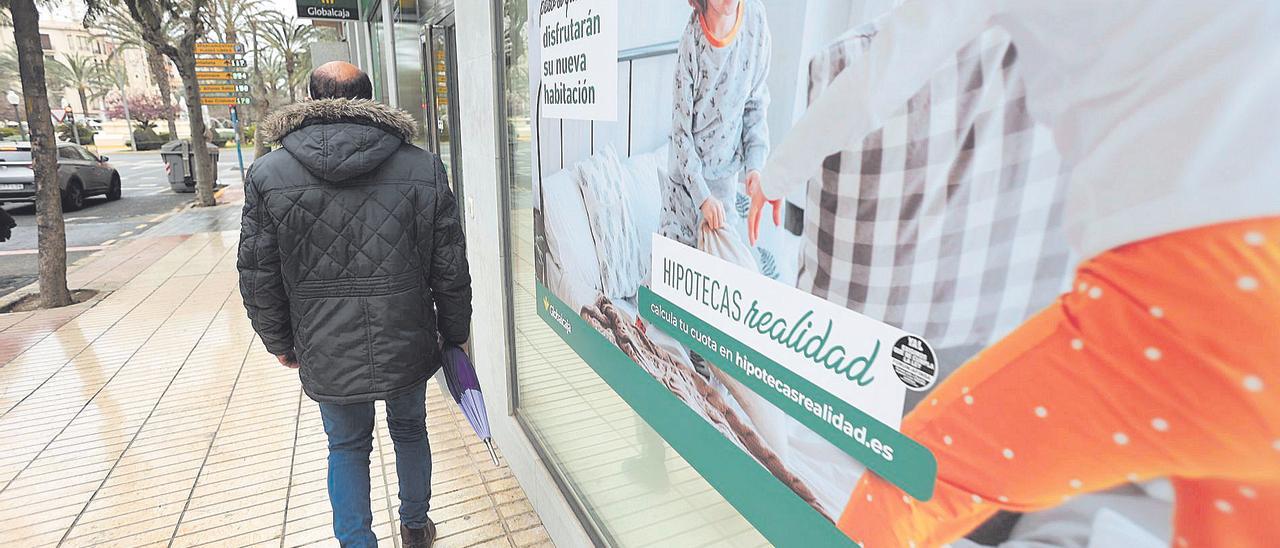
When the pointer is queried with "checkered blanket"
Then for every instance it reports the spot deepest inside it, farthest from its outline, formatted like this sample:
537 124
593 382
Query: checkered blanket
947 222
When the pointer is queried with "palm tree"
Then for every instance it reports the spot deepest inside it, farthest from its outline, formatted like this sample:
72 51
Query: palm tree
226 17
126 34
9 68
79 72
290 39
261 93
273 75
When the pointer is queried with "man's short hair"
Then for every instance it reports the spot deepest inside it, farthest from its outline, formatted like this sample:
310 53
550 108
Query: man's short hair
340 80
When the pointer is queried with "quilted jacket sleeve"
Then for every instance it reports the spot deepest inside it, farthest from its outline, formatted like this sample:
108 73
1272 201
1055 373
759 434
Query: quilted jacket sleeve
450 276
261 284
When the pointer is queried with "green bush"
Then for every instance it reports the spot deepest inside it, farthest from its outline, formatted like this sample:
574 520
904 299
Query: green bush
65 133
10 133
148 139
248 133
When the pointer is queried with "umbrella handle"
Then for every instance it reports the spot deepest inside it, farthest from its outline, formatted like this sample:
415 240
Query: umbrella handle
488 442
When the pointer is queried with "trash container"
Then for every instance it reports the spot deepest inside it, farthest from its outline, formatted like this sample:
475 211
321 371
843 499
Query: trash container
180 165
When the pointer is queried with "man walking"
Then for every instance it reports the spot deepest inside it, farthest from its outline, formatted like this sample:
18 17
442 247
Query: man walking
353 270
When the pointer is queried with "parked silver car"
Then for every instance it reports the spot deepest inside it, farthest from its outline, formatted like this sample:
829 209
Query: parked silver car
80 174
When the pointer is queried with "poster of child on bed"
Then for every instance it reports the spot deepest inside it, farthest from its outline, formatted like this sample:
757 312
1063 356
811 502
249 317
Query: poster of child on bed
824 180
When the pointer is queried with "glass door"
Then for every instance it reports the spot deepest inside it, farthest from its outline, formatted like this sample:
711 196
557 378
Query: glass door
439 53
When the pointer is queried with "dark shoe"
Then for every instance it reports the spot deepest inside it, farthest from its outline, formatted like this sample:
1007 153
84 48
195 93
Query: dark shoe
418 538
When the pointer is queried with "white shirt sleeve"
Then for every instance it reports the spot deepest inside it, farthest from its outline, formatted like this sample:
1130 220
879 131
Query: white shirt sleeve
913 40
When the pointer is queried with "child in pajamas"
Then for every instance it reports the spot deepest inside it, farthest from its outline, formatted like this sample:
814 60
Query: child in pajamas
719 135
1161 362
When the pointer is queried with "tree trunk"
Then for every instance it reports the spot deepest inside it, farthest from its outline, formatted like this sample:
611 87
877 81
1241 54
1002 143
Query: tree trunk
84 102
51 232
160 73
199 144
262 104
261 107
288 76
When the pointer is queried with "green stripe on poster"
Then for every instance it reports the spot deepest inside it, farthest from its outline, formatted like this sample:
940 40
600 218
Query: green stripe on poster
899 459
771 507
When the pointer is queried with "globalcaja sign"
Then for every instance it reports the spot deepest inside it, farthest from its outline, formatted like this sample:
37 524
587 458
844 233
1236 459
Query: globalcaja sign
348 10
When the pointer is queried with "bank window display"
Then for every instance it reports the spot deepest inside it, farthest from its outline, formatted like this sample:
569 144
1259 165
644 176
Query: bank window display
621 474
827 257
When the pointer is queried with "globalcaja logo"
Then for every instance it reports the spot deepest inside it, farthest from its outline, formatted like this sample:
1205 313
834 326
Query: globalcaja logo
329 9
555 315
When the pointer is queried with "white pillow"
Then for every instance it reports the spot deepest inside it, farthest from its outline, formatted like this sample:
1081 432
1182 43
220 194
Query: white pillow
608 209
645 175
569 241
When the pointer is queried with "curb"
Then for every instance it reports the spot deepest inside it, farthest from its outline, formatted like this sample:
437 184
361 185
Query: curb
34 287
19 293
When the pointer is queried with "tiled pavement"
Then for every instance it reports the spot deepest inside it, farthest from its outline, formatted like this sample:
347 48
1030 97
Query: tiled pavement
153 416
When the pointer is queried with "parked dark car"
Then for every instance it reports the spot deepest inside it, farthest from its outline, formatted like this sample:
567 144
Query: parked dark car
81 174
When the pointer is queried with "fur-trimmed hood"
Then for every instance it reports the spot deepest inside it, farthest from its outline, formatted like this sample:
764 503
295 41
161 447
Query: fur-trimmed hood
339 139
326 111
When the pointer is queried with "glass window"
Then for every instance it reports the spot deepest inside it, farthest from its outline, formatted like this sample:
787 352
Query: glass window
15 155
68 153
409 66
621 474
438 49
377 57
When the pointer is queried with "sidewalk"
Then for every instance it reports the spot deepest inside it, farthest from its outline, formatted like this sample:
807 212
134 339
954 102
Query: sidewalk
151 415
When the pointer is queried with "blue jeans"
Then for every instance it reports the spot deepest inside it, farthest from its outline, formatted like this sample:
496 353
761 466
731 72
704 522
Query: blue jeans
350 431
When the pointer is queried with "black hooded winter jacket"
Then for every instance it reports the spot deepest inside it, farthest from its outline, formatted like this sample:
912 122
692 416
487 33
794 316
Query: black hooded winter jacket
351 251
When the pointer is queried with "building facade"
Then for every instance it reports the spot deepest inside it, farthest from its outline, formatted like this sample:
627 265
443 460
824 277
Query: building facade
634 418
64 37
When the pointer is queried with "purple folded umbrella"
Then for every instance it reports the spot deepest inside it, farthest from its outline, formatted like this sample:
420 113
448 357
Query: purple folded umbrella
460 377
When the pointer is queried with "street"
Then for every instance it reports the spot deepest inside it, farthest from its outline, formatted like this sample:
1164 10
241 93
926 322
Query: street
147 200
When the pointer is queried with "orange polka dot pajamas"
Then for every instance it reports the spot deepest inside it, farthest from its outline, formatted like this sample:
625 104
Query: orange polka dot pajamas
1164 360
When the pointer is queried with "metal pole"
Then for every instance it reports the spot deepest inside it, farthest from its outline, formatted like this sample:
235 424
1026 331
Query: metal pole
389 55
122 80
17 115
235 125
75 130
128 121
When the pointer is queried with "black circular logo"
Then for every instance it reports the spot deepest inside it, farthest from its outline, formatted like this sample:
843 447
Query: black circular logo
914 363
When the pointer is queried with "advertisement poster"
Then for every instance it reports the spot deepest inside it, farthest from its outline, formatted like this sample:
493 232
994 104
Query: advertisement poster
578 40
787 350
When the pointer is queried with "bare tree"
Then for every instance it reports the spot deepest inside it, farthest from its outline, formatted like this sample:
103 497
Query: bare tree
188 15
51 233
